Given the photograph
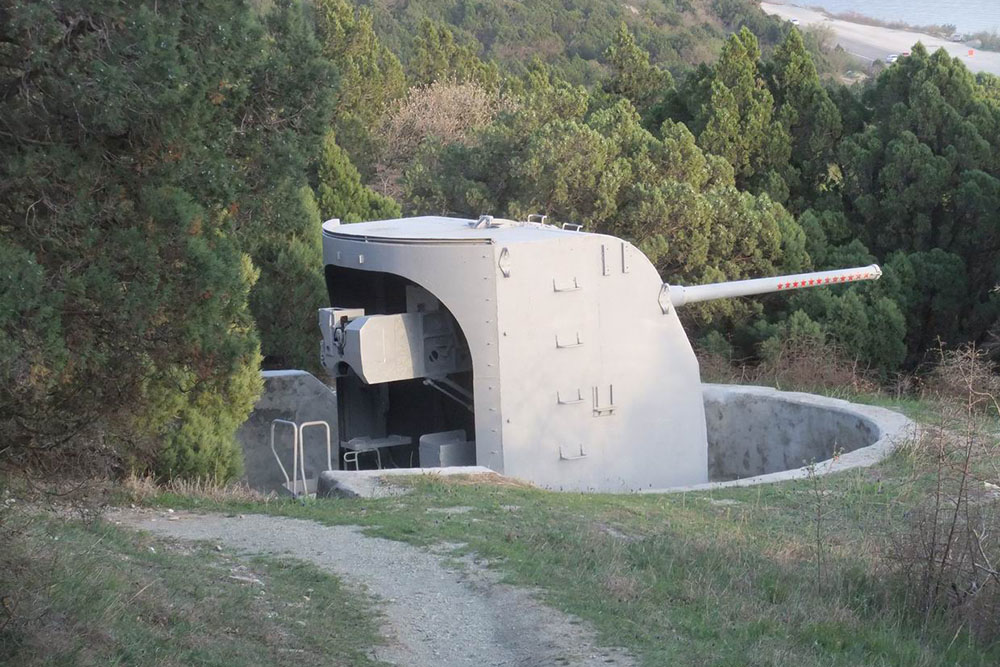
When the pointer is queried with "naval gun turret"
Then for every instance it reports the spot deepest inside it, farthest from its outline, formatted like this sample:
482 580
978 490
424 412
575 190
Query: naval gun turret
548 354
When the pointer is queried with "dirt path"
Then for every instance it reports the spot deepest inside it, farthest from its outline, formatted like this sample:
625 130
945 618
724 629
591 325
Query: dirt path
434 616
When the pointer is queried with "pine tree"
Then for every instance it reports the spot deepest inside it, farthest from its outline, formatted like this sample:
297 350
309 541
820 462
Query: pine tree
150 151
736 121
371 76
341 193
807 113
632 75
438 57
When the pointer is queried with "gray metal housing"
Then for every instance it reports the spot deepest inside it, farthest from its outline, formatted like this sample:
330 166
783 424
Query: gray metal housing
580 377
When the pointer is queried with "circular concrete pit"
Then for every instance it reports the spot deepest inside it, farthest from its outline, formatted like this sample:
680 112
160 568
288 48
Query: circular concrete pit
758 435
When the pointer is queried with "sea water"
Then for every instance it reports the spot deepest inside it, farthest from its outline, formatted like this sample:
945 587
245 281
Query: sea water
968 16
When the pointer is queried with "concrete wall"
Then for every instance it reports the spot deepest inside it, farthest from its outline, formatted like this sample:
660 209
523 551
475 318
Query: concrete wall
296 396
758 435
752 433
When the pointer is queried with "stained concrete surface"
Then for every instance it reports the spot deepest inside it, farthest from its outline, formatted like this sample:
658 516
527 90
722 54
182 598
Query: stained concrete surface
755 433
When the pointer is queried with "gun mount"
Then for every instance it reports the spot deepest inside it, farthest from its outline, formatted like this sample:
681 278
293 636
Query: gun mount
548 354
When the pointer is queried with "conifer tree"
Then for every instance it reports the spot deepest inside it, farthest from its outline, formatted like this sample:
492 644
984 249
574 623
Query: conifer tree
371 76
805 110
126 328
632 75
341 193
736 120
439 56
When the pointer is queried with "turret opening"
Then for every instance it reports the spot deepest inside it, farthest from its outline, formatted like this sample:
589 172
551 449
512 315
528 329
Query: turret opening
405 390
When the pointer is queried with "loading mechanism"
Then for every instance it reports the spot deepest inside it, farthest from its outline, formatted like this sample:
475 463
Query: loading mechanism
403 379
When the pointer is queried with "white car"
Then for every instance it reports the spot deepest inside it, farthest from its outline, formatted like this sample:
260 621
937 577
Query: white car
891 58
795 21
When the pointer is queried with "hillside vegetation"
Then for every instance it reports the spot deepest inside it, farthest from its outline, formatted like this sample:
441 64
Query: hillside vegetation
573 35
166 168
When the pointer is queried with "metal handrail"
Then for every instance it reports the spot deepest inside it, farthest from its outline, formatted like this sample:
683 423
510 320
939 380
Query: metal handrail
329 450
292 482
299 454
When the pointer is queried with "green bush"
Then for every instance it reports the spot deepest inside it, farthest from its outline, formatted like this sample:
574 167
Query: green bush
124 325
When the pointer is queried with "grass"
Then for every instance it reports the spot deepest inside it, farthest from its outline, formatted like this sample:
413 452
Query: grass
711 578
85 592
804 572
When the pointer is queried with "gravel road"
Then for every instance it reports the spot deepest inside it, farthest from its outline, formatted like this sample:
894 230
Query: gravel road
871 42
434 616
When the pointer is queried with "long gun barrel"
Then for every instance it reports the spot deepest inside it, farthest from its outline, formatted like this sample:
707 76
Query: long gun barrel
679 295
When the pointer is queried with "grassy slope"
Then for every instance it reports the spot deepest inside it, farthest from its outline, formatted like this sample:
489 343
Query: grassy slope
89 593
794 573
773 575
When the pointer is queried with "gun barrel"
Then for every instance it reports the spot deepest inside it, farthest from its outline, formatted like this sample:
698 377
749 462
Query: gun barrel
681 295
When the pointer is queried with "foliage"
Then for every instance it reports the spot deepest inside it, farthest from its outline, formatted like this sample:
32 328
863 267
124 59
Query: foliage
571 36
443 112
735 119
632 75
371 76
151 155
923 178
439 57
341 193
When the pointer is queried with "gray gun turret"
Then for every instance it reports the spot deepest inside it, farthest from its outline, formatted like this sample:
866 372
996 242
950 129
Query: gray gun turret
552 355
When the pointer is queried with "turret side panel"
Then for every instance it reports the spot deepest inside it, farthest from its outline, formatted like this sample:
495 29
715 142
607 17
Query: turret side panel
600 389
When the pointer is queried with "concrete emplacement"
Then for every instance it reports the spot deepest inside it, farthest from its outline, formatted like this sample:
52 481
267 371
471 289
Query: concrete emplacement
756 435
759 435
546 354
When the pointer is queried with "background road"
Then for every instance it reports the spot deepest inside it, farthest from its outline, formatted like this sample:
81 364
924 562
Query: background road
875 43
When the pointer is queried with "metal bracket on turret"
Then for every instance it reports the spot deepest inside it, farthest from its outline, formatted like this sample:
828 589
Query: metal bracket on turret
664 299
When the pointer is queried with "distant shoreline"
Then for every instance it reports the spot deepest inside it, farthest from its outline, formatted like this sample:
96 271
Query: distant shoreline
872 43
985 39
942 31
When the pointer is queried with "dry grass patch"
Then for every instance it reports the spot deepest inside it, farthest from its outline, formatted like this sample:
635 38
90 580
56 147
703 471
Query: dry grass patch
143 489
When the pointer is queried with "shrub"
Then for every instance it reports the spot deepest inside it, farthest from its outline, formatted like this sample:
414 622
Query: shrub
948 549
124 319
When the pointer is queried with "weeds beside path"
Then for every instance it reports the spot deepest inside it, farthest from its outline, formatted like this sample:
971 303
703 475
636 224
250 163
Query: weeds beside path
434 616
86 592
723 578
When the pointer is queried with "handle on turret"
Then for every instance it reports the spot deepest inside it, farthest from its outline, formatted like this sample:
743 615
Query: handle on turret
679 295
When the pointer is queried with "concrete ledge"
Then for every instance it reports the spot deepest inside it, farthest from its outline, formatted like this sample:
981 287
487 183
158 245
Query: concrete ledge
760 426
374 483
